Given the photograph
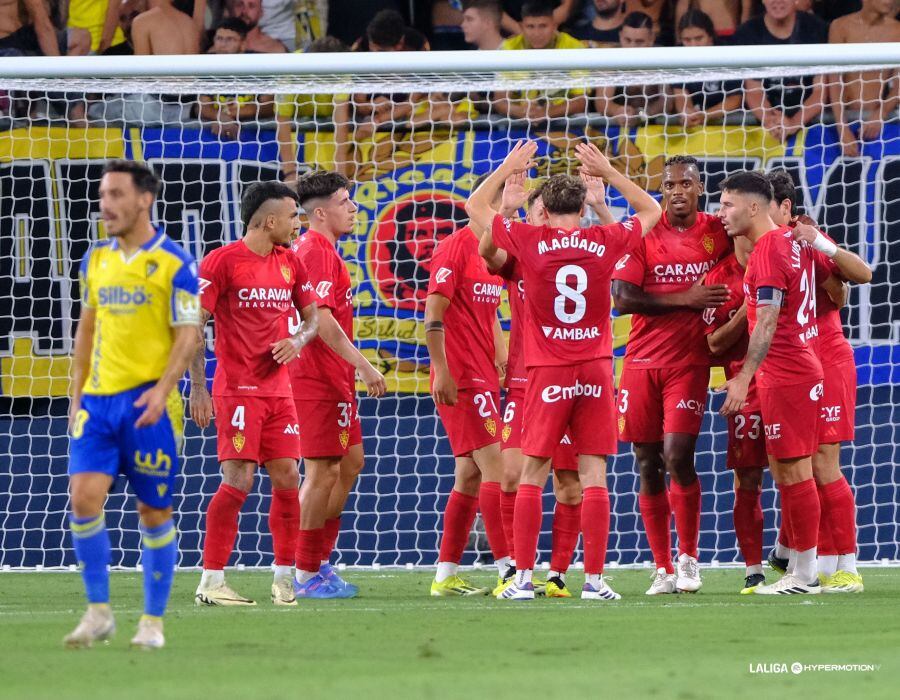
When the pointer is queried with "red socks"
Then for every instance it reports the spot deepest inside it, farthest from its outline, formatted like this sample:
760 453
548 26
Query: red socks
784 532
686 506
839 509
527 524
825 544
566 528
459 515
748 525
595 526
284 522
331 531
489 503
656 513
221 526
507 512
800 503
309 549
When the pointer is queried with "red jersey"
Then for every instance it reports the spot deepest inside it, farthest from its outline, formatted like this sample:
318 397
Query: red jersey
459 273
251 298
729 272
516 376
567 277
319 372
781 262
671 260
832 345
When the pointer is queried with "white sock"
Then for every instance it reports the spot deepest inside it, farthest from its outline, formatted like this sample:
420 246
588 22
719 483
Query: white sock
828 564
324 562
593 579
304 576
561 575
282 572
755 569
212 578
523 576
847 562
512 563
792 561
805 565
502 565
445 569
781 551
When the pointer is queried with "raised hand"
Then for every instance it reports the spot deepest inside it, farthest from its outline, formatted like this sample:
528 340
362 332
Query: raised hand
520 158
596 188
514 194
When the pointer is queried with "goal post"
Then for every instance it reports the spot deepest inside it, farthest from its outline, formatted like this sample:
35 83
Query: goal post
413 130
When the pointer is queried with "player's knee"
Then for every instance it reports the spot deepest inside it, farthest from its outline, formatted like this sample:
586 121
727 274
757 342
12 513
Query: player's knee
748 479
466 477
680 465
322 474
351 466
826 464
87 497
238 476
568 488
154 517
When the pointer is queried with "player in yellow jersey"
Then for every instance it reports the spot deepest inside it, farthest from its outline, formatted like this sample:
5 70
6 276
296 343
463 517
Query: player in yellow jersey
138 330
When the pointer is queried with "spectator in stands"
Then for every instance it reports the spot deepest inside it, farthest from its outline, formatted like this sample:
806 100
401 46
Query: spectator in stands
657 10
481 24
540 30
384 33
222 114
513 13
348 19
726 15
712 100
414 40
783 105
603 30
26 29
862 102
127 12
279 21
629 105
164 31
251 13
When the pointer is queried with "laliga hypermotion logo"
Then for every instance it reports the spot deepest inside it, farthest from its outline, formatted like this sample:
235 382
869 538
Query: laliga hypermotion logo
402 242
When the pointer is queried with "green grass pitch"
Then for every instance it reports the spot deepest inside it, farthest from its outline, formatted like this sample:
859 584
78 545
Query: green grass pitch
394 641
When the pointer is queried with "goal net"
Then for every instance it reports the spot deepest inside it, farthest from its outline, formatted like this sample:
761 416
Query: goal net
413 144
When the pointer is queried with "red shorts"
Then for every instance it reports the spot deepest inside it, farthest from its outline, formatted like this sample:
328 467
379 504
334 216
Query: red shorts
565 456
791 418
746 441
256 428
577 397
838 404
473 423
653 402
328 428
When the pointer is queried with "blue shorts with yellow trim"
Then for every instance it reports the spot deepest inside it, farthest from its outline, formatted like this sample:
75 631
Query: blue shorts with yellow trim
104 440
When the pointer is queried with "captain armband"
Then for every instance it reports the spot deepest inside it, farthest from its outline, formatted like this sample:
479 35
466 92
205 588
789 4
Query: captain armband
769 296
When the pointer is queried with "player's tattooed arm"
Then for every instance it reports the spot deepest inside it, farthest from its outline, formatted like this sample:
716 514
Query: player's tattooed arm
333 336
81 358
288 349
199 400
758 348
629 298
723 338
443 388
852 267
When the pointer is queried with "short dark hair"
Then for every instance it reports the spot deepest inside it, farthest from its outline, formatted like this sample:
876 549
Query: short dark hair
142 175
681 159
414 40
748 182
386 28
320 184
539 8
327 44
479 181
638 20
259 193
783 187
698 19
233 24
492 8
536 193
563 194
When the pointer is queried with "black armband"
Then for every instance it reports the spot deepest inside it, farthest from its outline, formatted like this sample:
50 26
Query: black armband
434 326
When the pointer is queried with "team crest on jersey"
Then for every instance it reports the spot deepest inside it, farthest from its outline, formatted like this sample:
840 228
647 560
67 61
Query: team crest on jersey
621 424
286 273
708 243
491 426
507 431
344 437
238 441
151 267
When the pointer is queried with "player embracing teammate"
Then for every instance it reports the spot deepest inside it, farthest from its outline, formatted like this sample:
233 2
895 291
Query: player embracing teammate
568 345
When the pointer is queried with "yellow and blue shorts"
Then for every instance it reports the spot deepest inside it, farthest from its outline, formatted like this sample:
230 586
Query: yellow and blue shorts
104 440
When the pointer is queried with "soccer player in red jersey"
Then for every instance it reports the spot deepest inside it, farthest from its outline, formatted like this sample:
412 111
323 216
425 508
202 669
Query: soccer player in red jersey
250 287
568 344
727 338
837 531
466 347
780 286
665 378
324 386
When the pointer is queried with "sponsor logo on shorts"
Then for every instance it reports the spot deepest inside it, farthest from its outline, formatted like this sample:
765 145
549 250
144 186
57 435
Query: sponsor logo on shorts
773 431
691 405
153 465
831 414
507 431
238 441
491 426
442 275
555 392
816 392
292 429
344 438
